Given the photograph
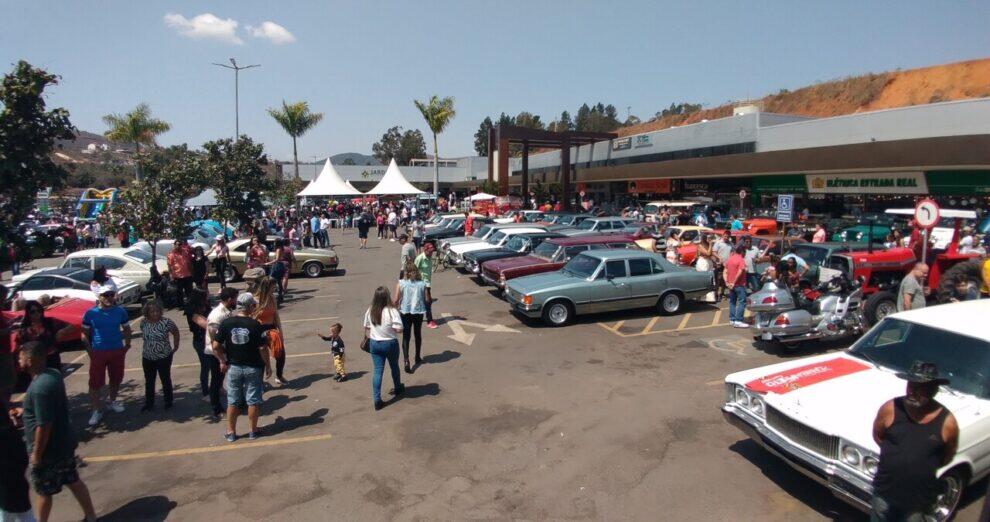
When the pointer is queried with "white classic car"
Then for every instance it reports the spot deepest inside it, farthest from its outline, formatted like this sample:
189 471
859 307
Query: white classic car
455 254
131 264
70 282
817 413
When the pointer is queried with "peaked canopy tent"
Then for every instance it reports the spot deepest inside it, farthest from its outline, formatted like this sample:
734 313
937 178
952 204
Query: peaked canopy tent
328 183
481 196
207 198
393 183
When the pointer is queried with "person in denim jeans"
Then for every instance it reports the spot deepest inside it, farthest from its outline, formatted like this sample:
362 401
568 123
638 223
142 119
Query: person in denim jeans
382 326
242 348
735 280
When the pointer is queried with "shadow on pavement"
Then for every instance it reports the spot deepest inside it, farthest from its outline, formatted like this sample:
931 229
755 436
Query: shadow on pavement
437 358
152 509
353 376
286 424
301 383
419 390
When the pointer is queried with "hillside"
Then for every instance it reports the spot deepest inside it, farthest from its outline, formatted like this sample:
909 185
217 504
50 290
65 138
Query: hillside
954 81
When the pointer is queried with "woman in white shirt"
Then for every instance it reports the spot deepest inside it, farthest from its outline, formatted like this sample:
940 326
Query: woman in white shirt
382 326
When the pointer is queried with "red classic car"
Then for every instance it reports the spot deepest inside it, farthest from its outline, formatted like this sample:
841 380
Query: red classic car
550 255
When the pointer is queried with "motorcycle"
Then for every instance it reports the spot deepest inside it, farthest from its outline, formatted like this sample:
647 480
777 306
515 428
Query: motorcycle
832 311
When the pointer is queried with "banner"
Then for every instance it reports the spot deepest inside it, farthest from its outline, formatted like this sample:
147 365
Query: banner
868 183
646 186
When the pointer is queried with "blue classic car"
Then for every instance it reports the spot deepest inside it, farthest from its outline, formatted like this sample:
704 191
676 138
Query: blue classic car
605 281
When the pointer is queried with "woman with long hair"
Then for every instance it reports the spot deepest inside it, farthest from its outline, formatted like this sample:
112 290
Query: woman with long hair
200 269
156 352
46 330
277 269
703 263
222 251
101 279
382 326
257 254
410 298
267 314
197 311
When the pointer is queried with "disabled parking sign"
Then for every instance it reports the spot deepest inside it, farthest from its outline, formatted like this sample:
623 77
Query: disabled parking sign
785 208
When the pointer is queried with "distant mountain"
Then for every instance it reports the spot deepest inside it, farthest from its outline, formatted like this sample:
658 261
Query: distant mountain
356 157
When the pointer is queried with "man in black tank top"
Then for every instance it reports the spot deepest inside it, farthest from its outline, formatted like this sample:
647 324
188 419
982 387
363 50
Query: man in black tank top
917 435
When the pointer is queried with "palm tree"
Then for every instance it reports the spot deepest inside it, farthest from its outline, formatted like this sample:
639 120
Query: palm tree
295 119
437 112
137 127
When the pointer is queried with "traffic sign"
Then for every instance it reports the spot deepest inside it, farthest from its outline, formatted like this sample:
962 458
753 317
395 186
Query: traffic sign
785 208
926 213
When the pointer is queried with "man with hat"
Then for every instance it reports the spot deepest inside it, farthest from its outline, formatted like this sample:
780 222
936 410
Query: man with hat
917 435
241 346
106 334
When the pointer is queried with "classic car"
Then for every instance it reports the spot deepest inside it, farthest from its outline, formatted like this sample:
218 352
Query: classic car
570 220
69 310
70 282
481 234
517 245
455 254
527 216
603 225
816 255
454 227
548 256
690 237
817 413
863 232
311 262
646 234
605 281
652 210
132 264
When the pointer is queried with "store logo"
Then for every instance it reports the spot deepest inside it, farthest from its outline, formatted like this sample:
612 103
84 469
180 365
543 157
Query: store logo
818 183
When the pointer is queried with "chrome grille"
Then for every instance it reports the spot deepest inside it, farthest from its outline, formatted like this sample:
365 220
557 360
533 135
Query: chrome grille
806 437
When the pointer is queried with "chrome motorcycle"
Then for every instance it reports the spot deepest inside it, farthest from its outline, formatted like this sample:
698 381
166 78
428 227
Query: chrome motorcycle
780 315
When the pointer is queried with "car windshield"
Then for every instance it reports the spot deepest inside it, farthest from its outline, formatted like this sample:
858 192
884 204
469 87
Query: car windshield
897 345
138 255
651 209
516 243
533 217
586 224
482 232
83 276
496 238
566 220
443 223
811 255
545 250
581 266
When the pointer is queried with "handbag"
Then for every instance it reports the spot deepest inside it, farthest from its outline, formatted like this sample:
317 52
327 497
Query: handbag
366 344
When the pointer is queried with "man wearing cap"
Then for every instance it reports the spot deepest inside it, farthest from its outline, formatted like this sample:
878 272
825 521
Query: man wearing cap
106 333
241 346
917 435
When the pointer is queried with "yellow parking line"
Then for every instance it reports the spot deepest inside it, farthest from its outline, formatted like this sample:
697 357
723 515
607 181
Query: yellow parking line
649 325
684 321
617 326
196 365
718 315
309 319
207 449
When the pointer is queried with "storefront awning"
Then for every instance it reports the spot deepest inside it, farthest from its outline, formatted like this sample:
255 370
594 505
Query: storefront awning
958 182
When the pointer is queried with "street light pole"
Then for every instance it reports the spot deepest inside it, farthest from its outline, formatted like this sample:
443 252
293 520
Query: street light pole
237 71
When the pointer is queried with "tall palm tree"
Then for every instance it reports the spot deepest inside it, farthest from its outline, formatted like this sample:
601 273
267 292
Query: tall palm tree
136 127
437 112
295 119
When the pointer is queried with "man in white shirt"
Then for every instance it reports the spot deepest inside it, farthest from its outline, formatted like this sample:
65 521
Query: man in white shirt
392 221
324 231
223 310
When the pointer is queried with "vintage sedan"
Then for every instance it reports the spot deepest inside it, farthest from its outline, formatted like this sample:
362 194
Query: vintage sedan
70 282
311 262
551 255
132 264
481 234
603 225
817 413
606 281
518 245
455 254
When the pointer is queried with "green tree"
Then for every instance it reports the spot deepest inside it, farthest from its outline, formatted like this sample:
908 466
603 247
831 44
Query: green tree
529 120
295 119
412 146
481 137
138 128
28 133
437 112
235 171
402 146
563 124
285 193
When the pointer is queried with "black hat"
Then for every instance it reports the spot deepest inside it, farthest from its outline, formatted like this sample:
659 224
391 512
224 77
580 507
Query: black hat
923 372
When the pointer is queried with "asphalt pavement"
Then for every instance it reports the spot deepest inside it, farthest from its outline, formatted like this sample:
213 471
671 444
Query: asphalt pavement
615 417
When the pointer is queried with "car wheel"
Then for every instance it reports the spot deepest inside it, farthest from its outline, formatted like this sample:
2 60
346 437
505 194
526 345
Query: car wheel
230 274
950 489
670 303
558 313
878 306
312 269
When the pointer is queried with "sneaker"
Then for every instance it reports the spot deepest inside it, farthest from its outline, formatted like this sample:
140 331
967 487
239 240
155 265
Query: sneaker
342 378
336 378
397 390
95 418
230 437
254 435
281 381
115 406
432 324
740 324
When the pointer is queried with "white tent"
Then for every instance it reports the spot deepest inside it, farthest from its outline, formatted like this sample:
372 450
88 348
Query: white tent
481 196
394 183
207 198
328 183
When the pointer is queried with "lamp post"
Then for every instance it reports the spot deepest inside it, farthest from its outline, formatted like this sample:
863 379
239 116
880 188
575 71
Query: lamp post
237 70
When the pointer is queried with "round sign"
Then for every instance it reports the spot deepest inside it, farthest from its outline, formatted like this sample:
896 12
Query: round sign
926 213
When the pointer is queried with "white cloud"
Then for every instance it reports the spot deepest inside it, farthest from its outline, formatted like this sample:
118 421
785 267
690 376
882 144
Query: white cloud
206 26
272 32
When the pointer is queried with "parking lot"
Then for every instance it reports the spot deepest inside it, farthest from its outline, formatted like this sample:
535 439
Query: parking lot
614 417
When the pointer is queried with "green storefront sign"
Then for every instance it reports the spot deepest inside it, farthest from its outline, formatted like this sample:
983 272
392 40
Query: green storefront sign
958 182
783 183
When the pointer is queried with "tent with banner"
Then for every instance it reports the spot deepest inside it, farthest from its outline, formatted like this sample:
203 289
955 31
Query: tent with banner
393 183
328 183
481 196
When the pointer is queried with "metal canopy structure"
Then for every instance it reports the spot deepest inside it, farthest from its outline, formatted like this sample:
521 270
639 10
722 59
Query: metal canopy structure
502 137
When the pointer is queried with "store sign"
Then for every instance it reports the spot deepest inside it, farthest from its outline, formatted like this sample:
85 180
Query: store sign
868 183
694 186
644 186
622 144
643 140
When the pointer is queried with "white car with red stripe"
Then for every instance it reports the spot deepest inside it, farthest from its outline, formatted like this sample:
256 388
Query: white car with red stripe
817 413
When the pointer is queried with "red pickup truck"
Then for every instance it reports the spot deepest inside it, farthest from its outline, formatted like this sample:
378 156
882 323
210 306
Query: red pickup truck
550 255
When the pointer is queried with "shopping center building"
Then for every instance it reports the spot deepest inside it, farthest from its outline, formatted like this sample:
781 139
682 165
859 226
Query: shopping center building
866 161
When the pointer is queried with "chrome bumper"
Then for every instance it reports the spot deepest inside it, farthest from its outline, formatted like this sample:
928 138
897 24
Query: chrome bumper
849 488
531 311
487 279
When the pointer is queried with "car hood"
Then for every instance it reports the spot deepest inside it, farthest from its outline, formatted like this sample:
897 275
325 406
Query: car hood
839 394
462 239
491 254
463 248
516 262
537 282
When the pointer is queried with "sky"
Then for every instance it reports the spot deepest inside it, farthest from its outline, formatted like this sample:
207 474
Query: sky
362 63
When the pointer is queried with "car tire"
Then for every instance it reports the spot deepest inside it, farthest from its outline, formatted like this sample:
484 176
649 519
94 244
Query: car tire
230 274
558 313
951 486
312 269
878 306
670 303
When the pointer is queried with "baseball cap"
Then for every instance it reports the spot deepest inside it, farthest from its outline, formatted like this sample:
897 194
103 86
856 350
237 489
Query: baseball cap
220 237
245 299
106 289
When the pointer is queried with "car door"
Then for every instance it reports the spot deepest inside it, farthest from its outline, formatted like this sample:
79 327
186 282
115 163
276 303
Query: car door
645 287
613 291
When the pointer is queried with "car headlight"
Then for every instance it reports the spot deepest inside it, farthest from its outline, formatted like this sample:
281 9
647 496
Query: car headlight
851 456
870 465
757 406
742 398
859 235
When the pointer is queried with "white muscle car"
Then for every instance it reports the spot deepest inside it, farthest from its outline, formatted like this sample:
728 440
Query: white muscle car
817 413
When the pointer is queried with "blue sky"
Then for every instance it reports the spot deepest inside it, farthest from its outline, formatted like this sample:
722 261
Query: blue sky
362 63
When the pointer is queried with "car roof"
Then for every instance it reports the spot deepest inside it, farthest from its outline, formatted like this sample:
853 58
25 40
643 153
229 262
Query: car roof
522 230
595 239
500 226
66 272
619 253
966 318
609 218
100 251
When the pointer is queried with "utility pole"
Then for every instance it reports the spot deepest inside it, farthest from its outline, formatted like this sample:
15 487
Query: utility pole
628 111
237 71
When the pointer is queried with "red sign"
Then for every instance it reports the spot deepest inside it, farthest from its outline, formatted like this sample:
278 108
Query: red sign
804 376
643 186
